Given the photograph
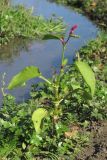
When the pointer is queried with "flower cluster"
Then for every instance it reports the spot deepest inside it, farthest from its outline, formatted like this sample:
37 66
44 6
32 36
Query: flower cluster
70 34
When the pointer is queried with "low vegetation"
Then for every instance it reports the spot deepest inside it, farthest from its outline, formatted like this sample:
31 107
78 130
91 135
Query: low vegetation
19 22
95 9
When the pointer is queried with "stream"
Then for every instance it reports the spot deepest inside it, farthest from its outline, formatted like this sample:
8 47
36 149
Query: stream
43 54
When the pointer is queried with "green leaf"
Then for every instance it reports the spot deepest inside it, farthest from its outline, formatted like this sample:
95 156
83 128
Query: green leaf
75 86
6 124
37 117
74 36
87 74
51 36
23 145
23 76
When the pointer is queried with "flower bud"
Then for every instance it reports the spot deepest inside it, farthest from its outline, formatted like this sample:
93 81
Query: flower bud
73 29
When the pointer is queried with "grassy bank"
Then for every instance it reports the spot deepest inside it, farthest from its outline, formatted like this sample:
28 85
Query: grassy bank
96 10
19 22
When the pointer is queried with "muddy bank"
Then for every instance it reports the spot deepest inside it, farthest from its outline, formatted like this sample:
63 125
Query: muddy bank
97 149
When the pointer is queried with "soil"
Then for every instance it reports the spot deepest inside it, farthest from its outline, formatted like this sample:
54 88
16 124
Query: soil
97 149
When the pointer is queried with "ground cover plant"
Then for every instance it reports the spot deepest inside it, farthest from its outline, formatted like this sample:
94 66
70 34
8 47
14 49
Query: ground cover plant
18 21
96 54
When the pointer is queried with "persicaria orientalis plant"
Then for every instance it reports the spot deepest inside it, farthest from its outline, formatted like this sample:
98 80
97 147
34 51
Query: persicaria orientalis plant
30 72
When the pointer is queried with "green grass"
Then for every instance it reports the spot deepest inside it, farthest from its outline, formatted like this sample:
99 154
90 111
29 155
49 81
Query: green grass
96 10
19 22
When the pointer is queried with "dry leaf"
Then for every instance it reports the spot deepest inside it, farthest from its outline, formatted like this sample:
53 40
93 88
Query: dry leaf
93 4
72 133
55 119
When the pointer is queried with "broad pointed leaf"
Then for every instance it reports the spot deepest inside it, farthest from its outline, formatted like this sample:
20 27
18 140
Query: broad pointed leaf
37 117
23 76
87 74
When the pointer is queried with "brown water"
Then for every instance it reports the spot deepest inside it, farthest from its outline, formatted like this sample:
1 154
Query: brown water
43 54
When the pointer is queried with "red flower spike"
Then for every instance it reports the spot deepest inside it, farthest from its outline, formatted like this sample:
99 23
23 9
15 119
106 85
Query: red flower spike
73 29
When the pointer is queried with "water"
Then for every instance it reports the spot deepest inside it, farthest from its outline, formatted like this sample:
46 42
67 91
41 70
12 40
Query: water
43 54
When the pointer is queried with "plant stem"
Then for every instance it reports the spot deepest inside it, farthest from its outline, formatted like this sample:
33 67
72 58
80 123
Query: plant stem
45 79
3 93
67 40
63 51
56 89
78 56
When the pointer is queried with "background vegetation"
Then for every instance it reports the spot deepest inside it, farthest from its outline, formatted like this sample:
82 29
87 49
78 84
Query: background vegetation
19 22
95 9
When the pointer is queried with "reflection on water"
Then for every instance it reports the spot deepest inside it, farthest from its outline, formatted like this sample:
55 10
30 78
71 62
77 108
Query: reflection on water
12 50
43 54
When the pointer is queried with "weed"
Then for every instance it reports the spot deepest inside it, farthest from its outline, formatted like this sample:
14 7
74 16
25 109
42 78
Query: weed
48 111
